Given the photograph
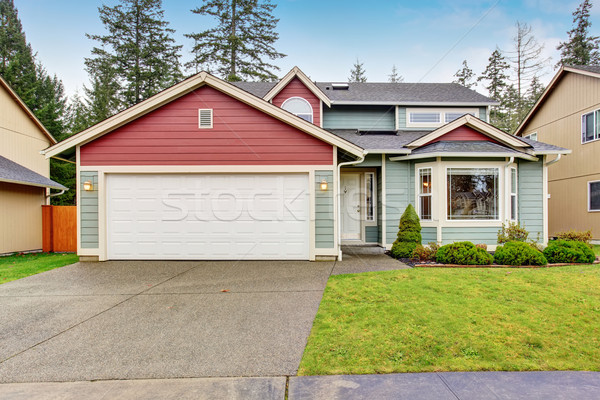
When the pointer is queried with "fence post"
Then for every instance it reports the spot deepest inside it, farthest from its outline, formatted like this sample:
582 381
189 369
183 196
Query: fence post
47 229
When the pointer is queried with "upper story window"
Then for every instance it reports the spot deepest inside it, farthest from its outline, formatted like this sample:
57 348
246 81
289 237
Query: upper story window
299 107
590 126
435 117
532 136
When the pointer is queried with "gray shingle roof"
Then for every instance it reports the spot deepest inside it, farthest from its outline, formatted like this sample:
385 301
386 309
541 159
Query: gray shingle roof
389 142
464 147
588 68
12 172
540 147
381 92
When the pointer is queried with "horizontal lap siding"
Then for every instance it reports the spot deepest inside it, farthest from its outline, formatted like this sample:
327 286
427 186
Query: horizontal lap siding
241 135
531 197
428 234
324 221
485 234
297 89
363 117
88 207
398 181
371 234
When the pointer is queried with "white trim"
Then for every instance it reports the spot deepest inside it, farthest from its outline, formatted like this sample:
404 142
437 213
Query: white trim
545 200
588 195
512 169
530 136
185 87
78 200
595 128
396 124
373 197
415 103
501 195
442 115
209 169
312 230
102 216
297 73
201 117
418 193
383 203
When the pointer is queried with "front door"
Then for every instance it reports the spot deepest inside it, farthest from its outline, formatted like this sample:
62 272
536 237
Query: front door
350 203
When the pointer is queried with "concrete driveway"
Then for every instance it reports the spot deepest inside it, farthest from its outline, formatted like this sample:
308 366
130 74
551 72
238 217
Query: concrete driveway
141 320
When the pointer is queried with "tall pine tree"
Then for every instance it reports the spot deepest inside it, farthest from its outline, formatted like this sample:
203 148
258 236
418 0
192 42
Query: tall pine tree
240 45
395 77
495 79
357 73
141 48
465 76
581 48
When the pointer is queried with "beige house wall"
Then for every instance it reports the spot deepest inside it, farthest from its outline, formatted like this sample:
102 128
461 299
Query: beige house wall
21 217
558 122
21 140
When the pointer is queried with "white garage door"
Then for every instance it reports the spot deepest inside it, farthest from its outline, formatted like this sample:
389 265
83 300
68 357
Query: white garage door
211 217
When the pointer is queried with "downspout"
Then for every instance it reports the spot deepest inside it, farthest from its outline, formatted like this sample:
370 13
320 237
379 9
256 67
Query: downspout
557 159
339 209
510 161
57 194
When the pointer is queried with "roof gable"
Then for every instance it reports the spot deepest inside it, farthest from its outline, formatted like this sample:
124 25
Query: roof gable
297 73
463 133
592 71
185 87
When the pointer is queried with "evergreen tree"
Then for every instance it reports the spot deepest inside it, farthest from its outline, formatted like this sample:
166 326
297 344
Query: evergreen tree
581 48
465 76
141 48
536 88
495 77
103 94
409 234
237 47
17 62
357 73
395 77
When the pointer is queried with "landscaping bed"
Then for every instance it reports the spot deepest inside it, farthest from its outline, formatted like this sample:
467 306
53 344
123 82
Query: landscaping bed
435 265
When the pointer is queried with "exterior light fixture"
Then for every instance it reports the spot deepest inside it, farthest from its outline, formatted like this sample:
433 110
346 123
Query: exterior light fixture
324 185
88 186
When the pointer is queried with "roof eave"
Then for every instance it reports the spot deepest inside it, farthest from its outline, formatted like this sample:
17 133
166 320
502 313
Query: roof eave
415 103
464 154
58 186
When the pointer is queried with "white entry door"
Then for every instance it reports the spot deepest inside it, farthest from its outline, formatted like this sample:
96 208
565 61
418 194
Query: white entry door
350 206
208 217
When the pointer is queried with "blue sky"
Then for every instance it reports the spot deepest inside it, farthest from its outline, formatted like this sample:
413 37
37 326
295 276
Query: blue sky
426 40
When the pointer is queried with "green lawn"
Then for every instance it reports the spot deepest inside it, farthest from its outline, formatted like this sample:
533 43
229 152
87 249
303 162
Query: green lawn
22 265
457 320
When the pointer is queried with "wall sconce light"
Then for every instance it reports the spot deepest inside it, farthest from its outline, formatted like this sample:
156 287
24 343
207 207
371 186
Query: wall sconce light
88 186
324 185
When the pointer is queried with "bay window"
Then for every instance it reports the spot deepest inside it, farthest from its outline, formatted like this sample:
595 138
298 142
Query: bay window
473 194
513 194
425 194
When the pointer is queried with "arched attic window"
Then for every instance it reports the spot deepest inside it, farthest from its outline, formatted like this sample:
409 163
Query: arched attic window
299 107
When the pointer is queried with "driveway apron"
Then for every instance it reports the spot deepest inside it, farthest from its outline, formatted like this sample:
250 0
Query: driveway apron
145 320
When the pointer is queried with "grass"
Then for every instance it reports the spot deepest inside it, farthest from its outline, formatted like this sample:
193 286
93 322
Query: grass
457 320
596 248
21 265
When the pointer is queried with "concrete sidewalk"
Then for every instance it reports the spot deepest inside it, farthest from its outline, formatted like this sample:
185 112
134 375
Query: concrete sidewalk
556 385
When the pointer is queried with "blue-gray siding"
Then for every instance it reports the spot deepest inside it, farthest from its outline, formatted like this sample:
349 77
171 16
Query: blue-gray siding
371 234
486 235
371 161
531 197
364 117
89 211
428 234
324 228
399 181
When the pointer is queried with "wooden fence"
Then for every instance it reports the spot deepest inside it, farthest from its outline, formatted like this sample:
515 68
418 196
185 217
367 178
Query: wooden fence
59 226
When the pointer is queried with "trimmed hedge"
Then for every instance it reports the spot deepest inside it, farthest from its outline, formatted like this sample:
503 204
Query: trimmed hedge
409 234
463 253
568 251
519 253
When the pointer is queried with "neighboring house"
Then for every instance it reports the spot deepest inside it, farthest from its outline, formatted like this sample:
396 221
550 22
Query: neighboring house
24 174
568 115
212 170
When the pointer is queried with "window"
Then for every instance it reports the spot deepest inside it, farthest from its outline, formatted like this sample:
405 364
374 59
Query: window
594 196
425 193
513 194
472 193
451 116
590 126
425 118
205 118
532 136
370 196
299 107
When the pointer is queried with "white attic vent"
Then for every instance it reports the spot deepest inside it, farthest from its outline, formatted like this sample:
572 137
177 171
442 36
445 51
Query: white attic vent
339 86
205 118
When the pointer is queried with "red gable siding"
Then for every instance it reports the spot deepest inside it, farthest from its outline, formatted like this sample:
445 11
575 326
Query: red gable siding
297 89
241 135
463 133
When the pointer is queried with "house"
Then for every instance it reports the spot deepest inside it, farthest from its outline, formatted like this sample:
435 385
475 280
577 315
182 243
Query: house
24 174
293 169
567 114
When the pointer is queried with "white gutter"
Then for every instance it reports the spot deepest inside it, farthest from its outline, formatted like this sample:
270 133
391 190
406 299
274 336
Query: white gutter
339 208
452 154
510 161
557 159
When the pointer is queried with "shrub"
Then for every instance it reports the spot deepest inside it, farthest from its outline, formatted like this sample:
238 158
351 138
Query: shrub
409 234
519 253
577 236
568 251
425 253
463 253
513 232
481 246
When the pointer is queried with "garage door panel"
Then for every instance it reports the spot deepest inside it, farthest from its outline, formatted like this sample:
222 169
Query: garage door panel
176 216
